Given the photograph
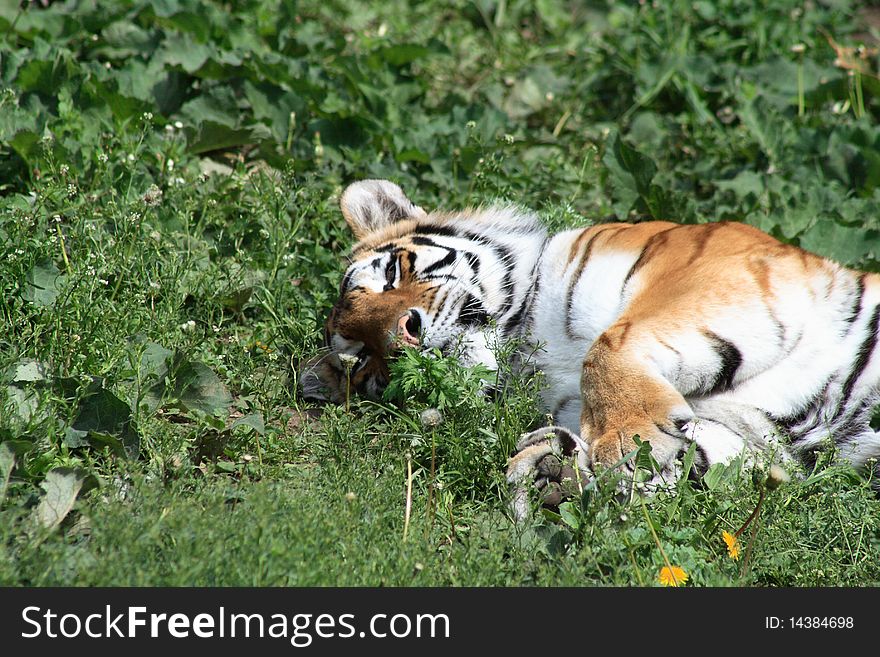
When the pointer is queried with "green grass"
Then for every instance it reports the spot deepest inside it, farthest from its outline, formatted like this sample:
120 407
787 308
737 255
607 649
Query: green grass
170 243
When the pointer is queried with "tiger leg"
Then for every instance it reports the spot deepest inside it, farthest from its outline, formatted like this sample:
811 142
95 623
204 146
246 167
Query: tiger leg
635 383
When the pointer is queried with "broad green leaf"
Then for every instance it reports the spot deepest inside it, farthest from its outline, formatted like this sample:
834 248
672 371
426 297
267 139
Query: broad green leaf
191 386
27 370
75 438
61 487
629 174
847 244
715 475
745 184
404 53
101 415
154 360
43 282
253 420
185 52
568 514
23 402
7 462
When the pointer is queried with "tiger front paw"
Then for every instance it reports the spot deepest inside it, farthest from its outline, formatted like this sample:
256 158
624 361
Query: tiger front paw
551 460
617 448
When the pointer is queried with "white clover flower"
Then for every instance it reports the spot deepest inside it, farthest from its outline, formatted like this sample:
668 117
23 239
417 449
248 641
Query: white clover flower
178 125
188 326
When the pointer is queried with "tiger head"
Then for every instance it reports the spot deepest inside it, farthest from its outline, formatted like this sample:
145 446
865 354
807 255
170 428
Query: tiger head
416 280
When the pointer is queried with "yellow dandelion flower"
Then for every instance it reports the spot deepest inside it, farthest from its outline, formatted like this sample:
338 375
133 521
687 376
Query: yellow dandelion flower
732 544
672 576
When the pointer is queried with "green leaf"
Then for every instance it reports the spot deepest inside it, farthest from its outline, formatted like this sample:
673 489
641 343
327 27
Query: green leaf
404 53
630 175
75 438
61 487
192 386
569 515
7 462
27 370
43 282
182 50
849 245
553 14
102 414
715 475
254 421
743 185
24 403
154 360
688 461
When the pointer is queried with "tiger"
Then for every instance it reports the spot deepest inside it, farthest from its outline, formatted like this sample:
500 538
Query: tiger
715 335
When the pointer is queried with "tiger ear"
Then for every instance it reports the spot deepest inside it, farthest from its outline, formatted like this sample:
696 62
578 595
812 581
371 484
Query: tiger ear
370 205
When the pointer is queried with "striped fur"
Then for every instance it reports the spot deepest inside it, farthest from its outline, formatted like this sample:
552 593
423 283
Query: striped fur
714 333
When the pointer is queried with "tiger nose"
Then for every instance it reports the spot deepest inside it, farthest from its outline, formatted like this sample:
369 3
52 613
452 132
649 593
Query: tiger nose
408 328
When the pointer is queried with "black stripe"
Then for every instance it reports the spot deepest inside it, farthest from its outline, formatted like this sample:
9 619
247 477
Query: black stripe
856 308
701 464
449 231
582 265
650 248
800 417
346 280
446 260
731 359
472 312
473 260
862 359
559 406
420 240
515 319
